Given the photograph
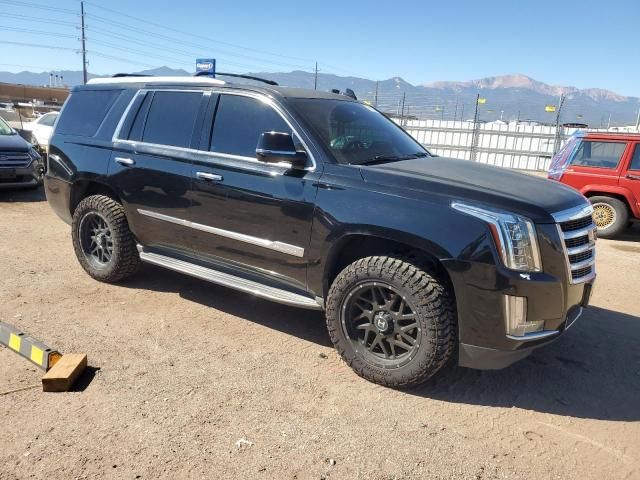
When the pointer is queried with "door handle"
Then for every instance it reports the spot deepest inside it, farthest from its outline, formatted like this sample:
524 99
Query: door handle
212 177
127 162
633 177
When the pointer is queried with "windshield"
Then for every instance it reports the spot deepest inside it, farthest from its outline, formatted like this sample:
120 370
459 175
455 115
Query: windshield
4 128
354 133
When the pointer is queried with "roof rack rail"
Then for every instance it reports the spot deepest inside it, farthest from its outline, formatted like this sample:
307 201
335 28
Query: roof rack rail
121 75
238 75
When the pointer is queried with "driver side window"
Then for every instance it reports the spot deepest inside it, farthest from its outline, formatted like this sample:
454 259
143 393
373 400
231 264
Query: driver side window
599 154
240 121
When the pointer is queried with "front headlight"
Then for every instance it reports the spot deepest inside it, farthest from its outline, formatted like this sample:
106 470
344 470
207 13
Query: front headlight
514 235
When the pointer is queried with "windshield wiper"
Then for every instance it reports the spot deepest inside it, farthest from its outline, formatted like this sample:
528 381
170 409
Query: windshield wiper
392 158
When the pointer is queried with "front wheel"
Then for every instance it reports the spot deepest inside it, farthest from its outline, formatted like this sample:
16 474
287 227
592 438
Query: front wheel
610 215
391 321
103 243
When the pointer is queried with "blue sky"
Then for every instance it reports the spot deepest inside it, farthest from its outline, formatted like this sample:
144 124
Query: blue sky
584 44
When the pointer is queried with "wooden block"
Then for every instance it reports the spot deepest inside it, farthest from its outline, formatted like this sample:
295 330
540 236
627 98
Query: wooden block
61 377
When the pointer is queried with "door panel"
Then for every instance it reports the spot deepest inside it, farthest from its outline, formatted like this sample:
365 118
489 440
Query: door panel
152 164
630 178
251 214
259 216
158 183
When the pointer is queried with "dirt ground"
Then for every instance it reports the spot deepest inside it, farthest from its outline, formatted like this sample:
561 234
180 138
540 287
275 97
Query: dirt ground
182 370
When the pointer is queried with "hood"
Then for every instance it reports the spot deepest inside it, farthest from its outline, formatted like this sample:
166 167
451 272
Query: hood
534 197
13 143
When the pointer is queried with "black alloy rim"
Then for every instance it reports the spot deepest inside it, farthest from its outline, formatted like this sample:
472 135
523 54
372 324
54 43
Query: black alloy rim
96 239
381 324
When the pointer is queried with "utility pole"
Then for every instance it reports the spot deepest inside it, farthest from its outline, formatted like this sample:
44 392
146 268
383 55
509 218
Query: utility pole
455 113
375 103
558 139
638 120
315 81
402 114
84 49
474 136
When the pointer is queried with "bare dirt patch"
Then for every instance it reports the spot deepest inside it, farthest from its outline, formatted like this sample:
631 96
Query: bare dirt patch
190 380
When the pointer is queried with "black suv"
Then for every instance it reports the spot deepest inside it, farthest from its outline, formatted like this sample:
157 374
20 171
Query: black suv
20 164
318 201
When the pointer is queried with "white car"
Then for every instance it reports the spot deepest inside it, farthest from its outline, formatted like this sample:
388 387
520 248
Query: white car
41 130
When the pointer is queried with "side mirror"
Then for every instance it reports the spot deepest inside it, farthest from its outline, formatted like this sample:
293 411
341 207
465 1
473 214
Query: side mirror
277 147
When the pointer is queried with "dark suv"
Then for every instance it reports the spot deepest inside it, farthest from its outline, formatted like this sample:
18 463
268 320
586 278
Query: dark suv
20 164
318 201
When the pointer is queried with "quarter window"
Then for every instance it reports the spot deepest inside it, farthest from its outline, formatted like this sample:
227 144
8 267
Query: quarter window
171 118
84 112
599 154
635 161
239 123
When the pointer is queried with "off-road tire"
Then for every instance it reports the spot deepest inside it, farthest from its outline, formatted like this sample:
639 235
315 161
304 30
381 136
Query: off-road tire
431 301
125 260
621 216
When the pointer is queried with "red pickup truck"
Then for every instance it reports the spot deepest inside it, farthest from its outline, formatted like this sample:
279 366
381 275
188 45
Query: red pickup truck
605 168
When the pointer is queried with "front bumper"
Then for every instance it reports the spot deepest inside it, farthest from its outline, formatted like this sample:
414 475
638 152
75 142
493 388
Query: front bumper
480 288
29 176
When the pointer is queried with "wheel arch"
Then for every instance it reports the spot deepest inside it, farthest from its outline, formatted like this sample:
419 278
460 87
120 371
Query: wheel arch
84 188
355 245
619 193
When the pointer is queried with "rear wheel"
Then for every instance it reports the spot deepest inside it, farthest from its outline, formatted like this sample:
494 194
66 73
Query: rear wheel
103 243
391 321
610 215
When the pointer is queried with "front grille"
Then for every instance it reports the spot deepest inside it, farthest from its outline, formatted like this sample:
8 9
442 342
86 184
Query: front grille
14 159
579 239
578 224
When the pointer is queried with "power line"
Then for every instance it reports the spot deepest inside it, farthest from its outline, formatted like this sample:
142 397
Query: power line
40 6
181 42
182 32
35 45
38 32
37 19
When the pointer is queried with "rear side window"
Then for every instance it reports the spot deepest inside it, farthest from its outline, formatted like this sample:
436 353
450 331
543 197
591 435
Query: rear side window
635 161
239 123
171 118
599 154
84 112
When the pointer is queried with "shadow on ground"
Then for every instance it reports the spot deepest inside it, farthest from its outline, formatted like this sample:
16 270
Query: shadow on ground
593 371
22 195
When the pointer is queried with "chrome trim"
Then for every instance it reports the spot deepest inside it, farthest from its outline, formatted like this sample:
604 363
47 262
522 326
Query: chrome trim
577 233
241 237
568 324
585 278
231 281
209 176
125 161
574 213
534 336
581 248
263 98
584 263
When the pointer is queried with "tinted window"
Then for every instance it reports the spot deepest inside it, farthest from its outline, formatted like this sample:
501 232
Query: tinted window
48 120
239 123
599 154
635 161
356 133
171 118
140 116
84 112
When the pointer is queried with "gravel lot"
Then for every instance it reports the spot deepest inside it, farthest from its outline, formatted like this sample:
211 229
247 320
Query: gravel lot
182 370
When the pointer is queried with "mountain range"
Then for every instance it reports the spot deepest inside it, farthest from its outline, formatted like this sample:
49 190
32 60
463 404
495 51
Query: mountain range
508 97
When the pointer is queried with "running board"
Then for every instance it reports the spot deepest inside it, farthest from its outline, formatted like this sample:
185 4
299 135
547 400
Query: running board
227 280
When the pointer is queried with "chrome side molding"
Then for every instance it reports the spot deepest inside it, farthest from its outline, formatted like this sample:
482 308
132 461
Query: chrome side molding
227 280
241 237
